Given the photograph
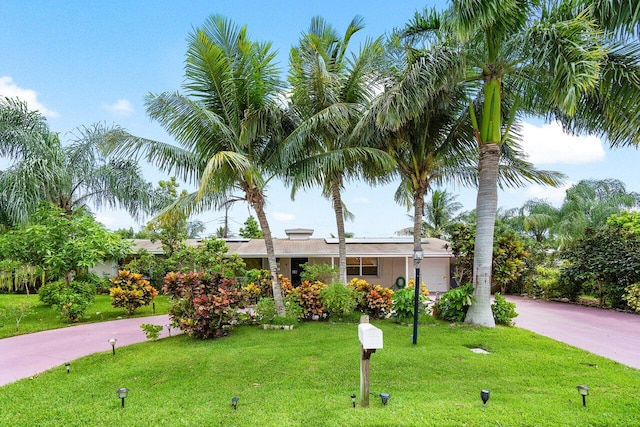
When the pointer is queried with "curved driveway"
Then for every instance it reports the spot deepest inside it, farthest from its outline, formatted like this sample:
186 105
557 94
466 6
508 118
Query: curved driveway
612 334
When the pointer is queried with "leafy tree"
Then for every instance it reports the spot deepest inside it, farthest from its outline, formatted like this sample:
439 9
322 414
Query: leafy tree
568 60
228 125
170 226
329 91
70 177
251 229
63 245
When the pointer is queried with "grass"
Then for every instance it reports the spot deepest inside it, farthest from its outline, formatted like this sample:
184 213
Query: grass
43 318
305 377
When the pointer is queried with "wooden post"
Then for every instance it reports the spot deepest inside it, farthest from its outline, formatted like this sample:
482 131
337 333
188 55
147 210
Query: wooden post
365 355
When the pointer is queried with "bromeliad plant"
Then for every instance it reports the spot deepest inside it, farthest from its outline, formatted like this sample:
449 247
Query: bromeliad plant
204 304
130 291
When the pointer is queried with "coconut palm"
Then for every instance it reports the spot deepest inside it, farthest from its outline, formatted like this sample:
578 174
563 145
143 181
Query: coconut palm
329 91
70 177
227 125
549 59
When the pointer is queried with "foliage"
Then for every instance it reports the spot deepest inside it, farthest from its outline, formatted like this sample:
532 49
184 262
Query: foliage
170 226
261 279
266 311
17 311
62 244
130 291
338 299
16 276
503 310
251 229
152 331
403 303
308 296
632 296
453 305
50 292
545 284
321 272
204 304
374 300
627 220
71 300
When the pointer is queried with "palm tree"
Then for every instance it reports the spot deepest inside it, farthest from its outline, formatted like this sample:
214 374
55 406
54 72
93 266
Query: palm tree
69 177
551 60
227 125
329 93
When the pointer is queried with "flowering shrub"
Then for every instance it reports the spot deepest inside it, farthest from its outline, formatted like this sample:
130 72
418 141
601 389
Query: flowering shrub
308 296
423 288
204 305
374 300
130 291
632 296
261 279
285 285
252 292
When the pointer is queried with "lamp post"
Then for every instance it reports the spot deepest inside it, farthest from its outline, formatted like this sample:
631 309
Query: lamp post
584 392
112 341
122 394
417 257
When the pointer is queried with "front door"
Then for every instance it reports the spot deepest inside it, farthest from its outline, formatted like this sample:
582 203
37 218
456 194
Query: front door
296 269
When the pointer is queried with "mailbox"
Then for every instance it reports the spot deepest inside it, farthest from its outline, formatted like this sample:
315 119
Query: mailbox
370 337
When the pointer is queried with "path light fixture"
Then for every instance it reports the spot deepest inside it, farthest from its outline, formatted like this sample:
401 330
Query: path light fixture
353 399
68 366
385 398
584 392
168 329
417 257
122 394
113 341
484 395
234 402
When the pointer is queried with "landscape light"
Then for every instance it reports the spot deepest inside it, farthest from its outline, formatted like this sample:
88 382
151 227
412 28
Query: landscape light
584 392
234 402
385 398
168 329
112 341
484 395
68 365
353 399
122 394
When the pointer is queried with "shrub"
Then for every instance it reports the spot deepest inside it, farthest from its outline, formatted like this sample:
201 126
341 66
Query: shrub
204 304
260 279
152 331
130 291
374 300
453 305
71 301
50 293
545 284
266 311
323 272
338 299
101 284
632 296
503 311
403 303
308 296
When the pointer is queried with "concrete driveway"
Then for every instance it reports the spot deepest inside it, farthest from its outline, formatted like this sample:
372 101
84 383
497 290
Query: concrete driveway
607 333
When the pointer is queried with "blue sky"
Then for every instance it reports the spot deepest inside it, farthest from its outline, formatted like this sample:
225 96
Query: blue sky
83 62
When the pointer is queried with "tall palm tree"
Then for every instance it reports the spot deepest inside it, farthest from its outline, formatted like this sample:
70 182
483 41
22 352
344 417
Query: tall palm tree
227 125
439 211
329 92
70 177
549 59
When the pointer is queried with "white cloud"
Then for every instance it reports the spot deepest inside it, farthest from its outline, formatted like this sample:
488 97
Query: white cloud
362 200
549 144
11 90
284 217
555 196
121 107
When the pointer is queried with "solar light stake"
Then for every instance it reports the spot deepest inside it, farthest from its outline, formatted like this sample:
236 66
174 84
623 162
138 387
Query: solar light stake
122 394
385 398
153 307
68 365
584 392
234 402
169 329
112 341
484 395
353 399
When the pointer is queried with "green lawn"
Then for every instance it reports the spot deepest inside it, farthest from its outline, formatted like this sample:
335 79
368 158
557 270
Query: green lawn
304 378
43 318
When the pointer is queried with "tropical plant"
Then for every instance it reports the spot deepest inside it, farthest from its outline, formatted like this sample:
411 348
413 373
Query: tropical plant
323 272
373 300
454 304
573 61
308 296
338 300
329 91
151 331
266 311
130 291
503 310
403 304
228 125
251 229
632 296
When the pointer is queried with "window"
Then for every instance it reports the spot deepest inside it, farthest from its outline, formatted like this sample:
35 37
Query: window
362 266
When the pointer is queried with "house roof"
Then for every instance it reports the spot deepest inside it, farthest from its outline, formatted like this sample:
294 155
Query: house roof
295 248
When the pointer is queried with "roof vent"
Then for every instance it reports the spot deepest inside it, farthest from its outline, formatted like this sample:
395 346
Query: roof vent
298 233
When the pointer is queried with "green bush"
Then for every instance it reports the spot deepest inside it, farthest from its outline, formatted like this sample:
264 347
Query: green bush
70 300
50 293
338 299
453 305
403 304
545 285
503 311
266 311
151 331
632 296
323 272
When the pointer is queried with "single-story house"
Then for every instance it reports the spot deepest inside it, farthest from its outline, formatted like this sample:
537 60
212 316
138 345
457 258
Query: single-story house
384 261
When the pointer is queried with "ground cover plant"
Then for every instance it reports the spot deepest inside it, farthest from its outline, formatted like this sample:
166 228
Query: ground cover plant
42 317
305 377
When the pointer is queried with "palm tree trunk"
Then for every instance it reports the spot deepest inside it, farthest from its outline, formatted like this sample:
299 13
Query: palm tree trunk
486 205
342 243
258 207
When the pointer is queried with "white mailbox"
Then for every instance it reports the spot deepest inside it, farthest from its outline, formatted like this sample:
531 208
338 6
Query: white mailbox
370 337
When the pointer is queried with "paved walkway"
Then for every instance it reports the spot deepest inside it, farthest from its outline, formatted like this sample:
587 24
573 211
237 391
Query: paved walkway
26 355
607 333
